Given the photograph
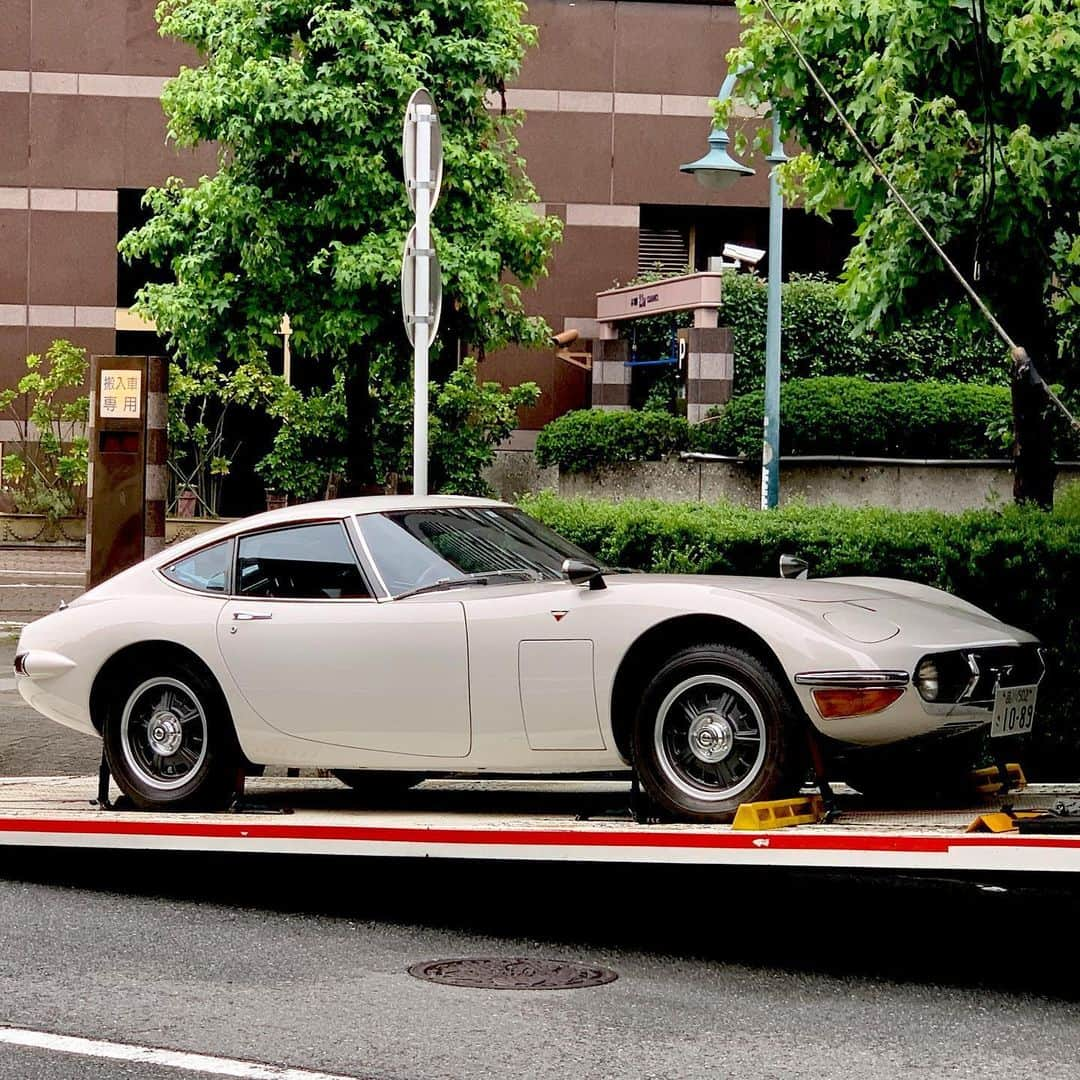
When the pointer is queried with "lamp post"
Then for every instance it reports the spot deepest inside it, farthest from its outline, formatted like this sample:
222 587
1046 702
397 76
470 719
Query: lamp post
716 171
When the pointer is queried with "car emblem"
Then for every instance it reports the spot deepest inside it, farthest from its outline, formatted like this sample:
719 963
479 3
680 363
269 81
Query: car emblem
559 615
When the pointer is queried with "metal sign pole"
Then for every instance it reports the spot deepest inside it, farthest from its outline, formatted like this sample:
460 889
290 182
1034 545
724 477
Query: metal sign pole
421 278
422 305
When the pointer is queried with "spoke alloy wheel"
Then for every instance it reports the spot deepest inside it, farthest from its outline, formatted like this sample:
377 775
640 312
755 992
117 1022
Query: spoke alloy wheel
163 733
709 737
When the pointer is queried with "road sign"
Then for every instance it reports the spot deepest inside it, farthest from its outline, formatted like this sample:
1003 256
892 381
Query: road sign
408 289
421 110
421 280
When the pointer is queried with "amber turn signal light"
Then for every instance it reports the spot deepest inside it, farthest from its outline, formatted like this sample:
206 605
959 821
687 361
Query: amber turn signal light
836 703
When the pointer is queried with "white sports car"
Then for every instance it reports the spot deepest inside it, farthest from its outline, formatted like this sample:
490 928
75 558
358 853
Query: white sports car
389 639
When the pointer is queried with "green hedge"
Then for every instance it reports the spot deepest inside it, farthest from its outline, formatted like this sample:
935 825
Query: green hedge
851 416
1021 564
827 415
589 438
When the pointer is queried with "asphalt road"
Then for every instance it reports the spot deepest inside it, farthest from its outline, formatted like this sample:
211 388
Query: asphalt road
719 975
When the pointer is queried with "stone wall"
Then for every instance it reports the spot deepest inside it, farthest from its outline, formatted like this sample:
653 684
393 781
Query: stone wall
817 481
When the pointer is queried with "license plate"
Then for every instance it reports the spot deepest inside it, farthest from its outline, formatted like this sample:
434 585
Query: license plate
1014 710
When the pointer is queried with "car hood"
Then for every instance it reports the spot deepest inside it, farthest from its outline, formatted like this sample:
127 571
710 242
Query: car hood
866 610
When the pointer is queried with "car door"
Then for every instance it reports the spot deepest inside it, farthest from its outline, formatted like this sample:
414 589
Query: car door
532 659
318 657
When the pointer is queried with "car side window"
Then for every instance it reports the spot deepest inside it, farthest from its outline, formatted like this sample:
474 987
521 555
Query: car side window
206 570
307 562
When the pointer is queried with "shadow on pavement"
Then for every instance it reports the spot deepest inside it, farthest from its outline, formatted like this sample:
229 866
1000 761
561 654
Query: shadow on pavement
1015 933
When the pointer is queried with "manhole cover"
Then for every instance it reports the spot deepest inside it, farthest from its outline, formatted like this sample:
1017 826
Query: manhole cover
513 973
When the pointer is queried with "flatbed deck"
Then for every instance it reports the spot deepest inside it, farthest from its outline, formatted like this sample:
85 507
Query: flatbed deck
542 820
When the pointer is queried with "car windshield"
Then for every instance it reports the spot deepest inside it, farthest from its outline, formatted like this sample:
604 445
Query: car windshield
412 549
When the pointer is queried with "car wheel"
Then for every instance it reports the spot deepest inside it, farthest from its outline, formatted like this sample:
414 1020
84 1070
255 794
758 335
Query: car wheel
169 741
376 784
715 729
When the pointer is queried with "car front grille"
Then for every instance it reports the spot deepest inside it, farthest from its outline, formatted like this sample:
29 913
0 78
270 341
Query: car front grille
1004 665
970 676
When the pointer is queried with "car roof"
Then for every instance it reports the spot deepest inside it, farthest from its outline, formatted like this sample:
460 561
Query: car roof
366 504
326 508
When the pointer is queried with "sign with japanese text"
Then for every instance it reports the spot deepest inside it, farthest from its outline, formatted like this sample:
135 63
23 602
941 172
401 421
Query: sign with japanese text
120 396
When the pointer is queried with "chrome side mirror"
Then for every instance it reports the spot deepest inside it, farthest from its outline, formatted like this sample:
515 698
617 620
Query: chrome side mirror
578 572
791 566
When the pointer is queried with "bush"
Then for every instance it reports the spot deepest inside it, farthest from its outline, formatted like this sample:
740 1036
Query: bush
589 438
47 475
469 419
840 415
818 338
847 415
1021 564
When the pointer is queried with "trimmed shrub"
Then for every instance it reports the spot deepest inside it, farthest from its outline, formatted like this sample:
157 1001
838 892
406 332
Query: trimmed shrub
818 338
850 416
836 414
589 438
1021 564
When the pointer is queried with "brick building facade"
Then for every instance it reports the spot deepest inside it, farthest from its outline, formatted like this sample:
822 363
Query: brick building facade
616 96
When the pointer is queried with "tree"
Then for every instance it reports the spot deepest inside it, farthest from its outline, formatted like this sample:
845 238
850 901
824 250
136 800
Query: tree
307 213
971 108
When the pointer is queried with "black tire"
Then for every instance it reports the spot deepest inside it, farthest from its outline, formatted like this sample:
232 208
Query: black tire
716 729
169 740
926 773
377 784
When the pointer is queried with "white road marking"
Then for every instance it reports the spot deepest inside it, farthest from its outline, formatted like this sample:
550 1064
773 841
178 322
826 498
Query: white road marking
8 684
148 1055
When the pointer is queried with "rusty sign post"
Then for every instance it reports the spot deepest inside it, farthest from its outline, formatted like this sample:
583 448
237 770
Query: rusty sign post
127 481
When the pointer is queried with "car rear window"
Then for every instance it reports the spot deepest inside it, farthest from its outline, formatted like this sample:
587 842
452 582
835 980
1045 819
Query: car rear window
207 570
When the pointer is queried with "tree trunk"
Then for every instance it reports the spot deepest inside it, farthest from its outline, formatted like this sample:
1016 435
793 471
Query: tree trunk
1034 468
359 476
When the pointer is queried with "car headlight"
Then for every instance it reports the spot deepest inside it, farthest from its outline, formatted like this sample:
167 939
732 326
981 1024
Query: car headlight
928 679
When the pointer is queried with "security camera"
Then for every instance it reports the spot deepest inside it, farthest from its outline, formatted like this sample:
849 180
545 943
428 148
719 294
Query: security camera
567 337
748 255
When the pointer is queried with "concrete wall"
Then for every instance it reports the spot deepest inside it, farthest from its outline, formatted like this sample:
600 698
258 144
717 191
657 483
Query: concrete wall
899 485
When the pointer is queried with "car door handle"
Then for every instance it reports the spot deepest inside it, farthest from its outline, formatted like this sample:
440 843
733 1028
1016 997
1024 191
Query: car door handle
251 616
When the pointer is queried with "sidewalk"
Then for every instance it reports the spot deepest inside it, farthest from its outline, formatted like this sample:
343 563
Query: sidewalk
34 580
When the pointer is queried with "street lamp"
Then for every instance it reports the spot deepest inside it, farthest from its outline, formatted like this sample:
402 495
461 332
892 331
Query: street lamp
716 171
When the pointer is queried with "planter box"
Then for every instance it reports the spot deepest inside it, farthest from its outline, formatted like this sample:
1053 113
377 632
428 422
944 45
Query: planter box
35 530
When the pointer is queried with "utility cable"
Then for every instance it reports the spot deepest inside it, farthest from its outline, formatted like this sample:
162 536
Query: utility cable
1017 351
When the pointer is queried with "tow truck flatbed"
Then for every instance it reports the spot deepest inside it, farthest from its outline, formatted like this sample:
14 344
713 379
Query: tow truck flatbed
541 820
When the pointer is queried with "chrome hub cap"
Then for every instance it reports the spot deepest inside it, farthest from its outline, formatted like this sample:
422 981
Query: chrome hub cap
709 737
163 733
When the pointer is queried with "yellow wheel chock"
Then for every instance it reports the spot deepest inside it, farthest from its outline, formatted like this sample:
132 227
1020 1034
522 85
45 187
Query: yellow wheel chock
988 781
1003 820
779 813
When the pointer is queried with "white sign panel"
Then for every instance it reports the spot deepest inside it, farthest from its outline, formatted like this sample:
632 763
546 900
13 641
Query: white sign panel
408 290
120 395
421 109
